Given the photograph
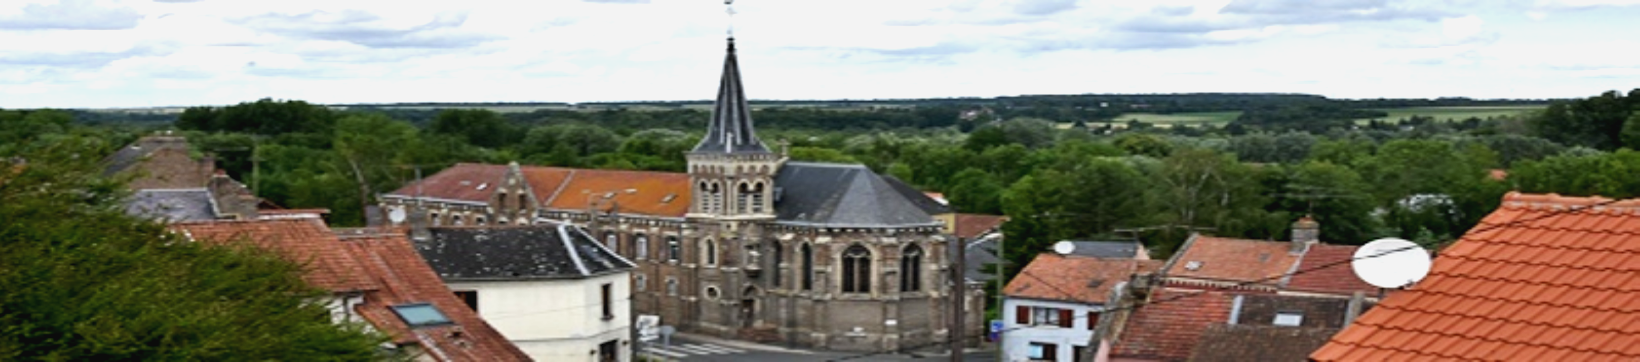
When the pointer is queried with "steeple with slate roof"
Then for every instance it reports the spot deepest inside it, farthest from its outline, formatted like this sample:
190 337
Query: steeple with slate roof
731 129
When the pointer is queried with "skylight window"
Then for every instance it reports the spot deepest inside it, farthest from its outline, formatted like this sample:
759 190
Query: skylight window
420 315
1289 319
1192 265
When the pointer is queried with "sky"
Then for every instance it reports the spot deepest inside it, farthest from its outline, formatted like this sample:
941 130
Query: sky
157 53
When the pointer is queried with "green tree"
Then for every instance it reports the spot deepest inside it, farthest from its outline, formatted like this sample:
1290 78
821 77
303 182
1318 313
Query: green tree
479 127
84 281
1075 198
1631 130
1144 144
975 191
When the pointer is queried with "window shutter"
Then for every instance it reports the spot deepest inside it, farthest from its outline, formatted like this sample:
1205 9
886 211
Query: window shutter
1022 315
1093 319
1065 318
1050 352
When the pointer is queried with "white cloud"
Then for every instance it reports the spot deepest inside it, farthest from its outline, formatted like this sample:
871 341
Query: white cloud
338 51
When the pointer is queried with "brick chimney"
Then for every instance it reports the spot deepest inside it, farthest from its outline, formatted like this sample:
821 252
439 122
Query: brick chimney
1305 232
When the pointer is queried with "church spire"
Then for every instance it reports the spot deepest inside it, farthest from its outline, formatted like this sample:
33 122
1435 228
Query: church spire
731 127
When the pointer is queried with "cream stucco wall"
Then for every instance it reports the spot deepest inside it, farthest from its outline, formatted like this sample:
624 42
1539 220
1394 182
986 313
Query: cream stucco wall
557 320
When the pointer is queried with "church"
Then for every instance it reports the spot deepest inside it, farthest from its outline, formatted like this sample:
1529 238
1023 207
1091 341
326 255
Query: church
747 244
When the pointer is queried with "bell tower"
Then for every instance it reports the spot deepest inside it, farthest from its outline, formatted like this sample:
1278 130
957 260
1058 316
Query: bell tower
731 171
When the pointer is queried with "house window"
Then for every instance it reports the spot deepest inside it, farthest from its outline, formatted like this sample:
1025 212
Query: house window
1289 319
456 220
911 269
607 294
1042 351
807 255
434 217
609 351
1043 316
470 297
479 220
523 201
420 315
501 201
642 247
757 198
711 252
613 241
1093 319
673 249
671 286
642 283
856 269
500 221
779 258
743 199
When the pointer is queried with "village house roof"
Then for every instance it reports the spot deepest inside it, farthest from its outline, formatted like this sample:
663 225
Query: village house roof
407 281
1543 278
305 241
630 192
522 252
1107 249
1231 260
970 226
1246 342
1326 269
172 205
1169 331
1074 278
382 267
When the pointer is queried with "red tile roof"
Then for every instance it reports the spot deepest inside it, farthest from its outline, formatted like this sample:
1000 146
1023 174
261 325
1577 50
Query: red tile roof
1074 278
1334 276
459 182
1170 330
407 279
653 193
1231 260
633 192
969 226
1531 282
301 240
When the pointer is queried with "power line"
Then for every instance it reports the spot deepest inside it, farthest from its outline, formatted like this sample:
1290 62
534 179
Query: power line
1135 306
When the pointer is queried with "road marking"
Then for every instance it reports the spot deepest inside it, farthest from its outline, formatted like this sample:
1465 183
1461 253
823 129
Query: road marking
695 348
725 350
667 353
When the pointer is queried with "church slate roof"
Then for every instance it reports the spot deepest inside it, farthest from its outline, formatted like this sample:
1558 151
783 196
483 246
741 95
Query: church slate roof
1105 249
731 128
842 195
517 253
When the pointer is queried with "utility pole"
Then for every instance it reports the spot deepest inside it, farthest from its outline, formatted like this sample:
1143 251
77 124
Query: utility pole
959 299
1001 262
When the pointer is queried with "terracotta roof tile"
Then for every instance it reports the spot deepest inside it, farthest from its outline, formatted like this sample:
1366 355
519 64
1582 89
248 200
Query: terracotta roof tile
390 259
1169 331
969 226
633 192
306 240
1337 277
1232 260
1074 278
463 182
1527 284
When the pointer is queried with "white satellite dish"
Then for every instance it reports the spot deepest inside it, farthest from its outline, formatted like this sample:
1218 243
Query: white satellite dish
1064 247
396 215
1391 263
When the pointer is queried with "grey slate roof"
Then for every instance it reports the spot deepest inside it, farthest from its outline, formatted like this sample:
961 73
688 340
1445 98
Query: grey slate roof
172 205
731 129
1105 249
980 259
131 154
517 253
917 197
843 195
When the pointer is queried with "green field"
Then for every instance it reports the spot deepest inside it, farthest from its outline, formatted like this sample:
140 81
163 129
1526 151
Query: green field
1446 114
1168 120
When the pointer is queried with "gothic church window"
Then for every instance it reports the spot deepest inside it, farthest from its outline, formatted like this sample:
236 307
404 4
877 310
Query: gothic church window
856 270
711 252
613 241
911 269
808 266
779 258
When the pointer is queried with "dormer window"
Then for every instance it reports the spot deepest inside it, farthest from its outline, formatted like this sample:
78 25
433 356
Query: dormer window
1289 319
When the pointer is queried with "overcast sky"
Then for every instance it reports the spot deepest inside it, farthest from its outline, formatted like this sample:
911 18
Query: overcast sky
140 53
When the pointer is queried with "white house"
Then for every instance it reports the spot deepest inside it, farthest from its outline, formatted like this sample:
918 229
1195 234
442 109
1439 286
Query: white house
1051 308
550 289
